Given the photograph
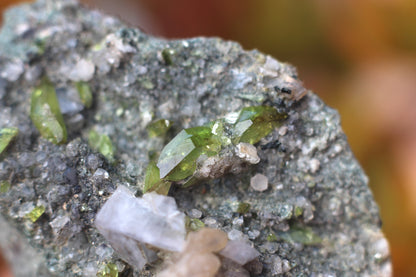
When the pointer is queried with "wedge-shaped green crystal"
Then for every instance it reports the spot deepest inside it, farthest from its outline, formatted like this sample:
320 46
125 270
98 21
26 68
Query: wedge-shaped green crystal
102 144
177 160
153 182
109 270
36 213
85 94
46 114
6 136
254 123
158 128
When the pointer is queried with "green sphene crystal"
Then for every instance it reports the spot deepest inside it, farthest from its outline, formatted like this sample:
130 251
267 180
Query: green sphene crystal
298 211
36 213
153 182
85 94
109 270
46 114
195 224
177 160
158 128
271 237
102 144
254 123
302 235
167 54
243 208
4 186
6 136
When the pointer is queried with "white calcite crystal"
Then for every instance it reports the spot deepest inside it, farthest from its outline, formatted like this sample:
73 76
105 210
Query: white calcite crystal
128 223
239 251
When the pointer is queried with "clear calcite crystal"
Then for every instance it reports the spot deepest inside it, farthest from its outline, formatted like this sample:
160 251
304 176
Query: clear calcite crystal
130 223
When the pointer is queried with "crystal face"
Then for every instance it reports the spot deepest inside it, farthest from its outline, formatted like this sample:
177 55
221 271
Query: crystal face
211 150
102 144
6 136
46 114
85 94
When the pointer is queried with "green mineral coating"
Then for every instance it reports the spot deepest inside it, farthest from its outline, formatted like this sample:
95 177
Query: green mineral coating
167 54
254 123
85 94
102 144
153 182
4 186
302 235
6 136
298 211
194 224
159 128
271 237
110 270
46 114
243 208
36 213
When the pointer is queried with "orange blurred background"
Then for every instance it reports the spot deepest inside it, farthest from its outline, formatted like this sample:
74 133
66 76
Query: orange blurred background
358 55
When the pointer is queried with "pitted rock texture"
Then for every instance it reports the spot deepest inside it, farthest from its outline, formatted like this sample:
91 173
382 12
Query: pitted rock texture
316 218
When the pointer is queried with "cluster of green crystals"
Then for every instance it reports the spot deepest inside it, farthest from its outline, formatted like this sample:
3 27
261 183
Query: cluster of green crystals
178 160
101 143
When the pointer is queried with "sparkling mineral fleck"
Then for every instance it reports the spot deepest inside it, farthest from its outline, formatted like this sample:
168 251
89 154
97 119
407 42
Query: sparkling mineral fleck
82 71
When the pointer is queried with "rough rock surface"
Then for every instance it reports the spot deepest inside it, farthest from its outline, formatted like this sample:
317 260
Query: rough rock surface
317 217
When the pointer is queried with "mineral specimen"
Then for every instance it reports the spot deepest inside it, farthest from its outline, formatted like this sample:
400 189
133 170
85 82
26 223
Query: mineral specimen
316 218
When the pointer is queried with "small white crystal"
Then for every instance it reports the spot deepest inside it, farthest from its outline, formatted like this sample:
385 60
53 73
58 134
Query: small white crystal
239 251
259 182
247 152
82 71
129 223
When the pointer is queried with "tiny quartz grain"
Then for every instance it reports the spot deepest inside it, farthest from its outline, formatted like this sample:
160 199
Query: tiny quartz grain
259 182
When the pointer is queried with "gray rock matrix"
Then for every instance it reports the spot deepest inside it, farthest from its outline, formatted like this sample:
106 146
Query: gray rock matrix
317 216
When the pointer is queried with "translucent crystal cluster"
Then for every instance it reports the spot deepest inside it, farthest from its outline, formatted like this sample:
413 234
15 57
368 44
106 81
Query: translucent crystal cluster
132 224
210 151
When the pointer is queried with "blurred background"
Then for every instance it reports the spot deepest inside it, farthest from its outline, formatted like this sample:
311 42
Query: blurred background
358 55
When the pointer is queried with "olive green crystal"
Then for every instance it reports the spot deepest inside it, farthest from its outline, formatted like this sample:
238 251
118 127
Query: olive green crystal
254 123
46 114
6 136
109 270
304 235
4 186
153 182
85 94
36 213
101 143
158 128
